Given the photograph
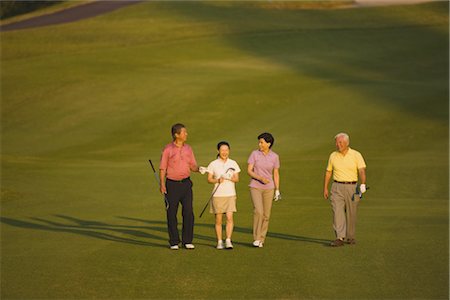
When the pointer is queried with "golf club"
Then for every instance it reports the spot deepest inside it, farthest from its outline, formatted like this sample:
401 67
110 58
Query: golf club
212 195
358 192
159 183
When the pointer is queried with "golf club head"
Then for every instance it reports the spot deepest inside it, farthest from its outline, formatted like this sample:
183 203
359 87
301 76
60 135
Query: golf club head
358 192
230 171
166 202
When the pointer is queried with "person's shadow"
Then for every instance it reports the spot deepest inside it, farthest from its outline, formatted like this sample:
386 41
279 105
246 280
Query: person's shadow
152 233
247 231
130 234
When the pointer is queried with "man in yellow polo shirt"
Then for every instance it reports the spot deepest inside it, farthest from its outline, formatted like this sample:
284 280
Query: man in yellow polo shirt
345 165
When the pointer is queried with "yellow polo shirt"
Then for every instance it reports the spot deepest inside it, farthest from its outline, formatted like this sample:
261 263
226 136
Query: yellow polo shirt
345 167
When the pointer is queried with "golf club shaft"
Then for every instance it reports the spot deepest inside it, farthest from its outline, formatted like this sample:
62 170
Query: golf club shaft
166 201
151 164
154 172
212 195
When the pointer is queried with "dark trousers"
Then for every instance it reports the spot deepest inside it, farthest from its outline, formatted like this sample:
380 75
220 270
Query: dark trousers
180 191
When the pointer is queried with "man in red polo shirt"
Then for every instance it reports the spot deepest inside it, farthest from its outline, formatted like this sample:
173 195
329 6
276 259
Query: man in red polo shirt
177 162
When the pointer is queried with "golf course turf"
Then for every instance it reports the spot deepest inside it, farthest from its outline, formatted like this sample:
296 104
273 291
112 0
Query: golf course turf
85 105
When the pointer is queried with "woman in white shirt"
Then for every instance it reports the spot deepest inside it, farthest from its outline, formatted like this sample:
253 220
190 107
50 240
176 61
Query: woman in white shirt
223 173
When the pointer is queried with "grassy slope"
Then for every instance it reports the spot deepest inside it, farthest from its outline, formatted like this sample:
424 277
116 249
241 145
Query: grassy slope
43 11
84 105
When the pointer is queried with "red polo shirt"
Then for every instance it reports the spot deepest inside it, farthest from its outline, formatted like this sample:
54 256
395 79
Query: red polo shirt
177 161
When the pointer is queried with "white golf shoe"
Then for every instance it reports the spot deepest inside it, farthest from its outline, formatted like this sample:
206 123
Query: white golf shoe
256 243
228 244
174 247
219 245
189 246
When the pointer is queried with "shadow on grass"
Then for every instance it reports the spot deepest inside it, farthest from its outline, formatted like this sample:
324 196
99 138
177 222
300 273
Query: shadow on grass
110 232
248 231
131 234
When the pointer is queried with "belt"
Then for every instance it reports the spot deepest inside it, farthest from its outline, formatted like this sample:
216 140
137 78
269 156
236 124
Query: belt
346 182
180 181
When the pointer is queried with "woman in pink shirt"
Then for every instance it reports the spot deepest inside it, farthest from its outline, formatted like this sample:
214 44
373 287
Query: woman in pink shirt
263 168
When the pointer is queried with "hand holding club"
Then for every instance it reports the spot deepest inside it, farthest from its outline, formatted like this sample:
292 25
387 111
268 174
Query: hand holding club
362 188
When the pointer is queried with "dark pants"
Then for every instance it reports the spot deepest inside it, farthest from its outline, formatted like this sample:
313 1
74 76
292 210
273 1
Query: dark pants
180 191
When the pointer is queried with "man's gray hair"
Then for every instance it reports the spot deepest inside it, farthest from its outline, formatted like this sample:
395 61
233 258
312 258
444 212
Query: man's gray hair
343 134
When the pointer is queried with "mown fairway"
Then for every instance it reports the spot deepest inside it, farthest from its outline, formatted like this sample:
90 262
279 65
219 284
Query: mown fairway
85 105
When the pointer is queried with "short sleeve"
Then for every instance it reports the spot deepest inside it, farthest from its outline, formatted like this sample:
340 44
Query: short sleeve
252 158
192 161
330 165
210 168
236 167
277 162
360 163
163 164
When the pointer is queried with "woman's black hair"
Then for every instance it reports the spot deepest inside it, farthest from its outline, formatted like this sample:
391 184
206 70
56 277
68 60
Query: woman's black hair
220 144
267 137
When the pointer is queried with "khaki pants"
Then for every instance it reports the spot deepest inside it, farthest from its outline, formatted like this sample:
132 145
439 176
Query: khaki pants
344 209
262 205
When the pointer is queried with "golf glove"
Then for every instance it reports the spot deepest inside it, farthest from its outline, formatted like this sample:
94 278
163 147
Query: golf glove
277 196
202 170
362 188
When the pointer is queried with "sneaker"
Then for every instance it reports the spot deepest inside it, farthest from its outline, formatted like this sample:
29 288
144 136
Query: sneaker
219 245
189 246
256 243
350 241
261 244
337 243
228 244
174 247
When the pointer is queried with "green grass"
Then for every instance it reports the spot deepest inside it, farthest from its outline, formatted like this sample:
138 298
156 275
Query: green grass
86 104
